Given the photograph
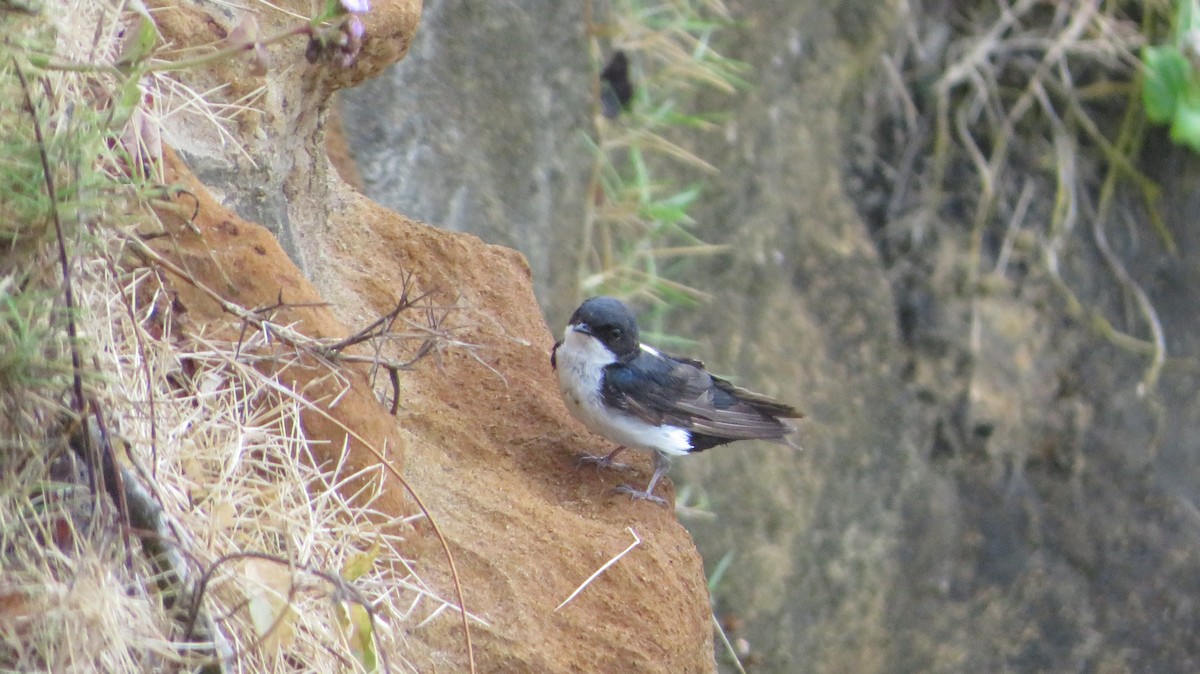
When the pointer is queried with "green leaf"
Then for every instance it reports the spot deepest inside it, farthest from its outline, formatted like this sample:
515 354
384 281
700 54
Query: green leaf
641 173
663 212
1168 73
1187 20
718 572
364 633
137 49
358 629
682 200
1185 130
358 565
332 9
129 99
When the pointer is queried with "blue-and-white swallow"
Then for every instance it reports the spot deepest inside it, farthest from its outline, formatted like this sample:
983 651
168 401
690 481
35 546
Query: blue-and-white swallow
639 397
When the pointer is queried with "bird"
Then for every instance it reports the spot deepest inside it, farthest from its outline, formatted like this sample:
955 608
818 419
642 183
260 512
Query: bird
641 398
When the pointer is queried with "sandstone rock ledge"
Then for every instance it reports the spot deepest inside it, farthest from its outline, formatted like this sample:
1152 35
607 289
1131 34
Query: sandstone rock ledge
481 434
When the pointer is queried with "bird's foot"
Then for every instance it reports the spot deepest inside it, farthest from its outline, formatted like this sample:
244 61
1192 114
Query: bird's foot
639 495
599 461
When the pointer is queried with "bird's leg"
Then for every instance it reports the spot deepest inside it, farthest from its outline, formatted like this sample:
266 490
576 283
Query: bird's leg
661 464
603 461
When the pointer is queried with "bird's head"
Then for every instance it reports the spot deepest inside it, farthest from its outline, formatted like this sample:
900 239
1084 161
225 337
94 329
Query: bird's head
610 322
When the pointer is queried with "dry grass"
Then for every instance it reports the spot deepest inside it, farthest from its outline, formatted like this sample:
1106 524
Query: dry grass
245 502
160 506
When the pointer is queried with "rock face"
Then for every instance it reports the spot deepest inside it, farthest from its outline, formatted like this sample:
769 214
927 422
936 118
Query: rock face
991 500
482 133
481 434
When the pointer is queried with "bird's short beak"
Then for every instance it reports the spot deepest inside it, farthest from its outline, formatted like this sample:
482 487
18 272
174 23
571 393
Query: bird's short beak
582 328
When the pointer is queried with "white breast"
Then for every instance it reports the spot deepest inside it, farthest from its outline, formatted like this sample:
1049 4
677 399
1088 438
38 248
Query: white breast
580 366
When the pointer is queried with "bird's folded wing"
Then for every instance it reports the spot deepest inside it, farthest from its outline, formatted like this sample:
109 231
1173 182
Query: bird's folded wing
649 392
674 391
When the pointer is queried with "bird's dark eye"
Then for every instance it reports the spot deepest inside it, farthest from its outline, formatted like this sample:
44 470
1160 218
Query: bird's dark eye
614 332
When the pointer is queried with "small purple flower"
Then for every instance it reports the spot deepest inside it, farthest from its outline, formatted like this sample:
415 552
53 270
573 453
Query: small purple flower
355 29
356 6
350 42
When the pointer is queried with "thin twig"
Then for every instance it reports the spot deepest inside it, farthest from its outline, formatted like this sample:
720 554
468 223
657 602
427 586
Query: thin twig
383 324
330 352
114 479
78 404
380 328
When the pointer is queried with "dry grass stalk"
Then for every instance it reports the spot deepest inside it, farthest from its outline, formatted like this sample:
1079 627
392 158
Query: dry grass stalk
604 567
